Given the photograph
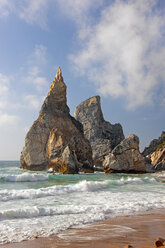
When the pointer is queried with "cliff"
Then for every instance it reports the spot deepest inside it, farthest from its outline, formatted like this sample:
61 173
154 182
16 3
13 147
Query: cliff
156 153
154 144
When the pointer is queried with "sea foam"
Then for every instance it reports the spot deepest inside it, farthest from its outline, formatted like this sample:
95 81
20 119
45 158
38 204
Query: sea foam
83 186
25 177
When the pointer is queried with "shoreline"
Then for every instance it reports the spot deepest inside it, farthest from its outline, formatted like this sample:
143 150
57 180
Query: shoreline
139 230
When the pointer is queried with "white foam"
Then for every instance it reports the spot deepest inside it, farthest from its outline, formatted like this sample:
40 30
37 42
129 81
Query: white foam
83 186
46 211
134 180
39 211
25 177
20 223
160 174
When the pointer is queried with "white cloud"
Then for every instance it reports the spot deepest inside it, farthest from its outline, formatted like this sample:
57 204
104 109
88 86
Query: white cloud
6 119
78 9
36 62
80 12
34 77
4 90
4 81
38 56
123 53
34 12
5 8
32 102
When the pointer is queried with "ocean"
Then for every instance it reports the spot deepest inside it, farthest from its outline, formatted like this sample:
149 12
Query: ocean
38 204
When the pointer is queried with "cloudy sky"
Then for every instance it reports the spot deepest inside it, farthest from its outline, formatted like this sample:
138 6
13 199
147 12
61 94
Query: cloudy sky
114 48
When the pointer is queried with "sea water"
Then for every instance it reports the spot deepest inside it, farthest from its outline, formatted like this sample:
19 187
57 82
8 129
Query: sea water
38 204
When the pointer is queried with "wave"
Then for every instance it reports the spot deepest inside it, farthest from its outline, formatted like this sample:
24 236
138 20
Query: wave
83 186
24 177
39 211
134 180
160 174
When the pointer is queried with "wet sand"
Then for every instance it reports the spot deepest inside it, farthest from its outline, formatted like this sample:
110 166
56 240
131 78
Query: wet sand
140 231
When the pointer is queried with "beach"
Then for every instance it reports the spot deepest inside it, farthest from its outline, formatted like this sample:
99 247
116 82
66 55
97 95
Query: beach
140 231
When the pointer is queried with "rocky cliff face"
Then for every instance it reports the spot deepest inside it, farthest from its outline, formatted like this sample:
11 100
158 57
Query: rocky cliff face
56 139
103 136
156 153
125 157
158 158
153 145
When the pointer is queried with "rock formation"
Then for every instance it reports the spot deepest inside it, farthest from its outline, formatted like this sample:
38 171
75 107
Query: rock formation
103 136
156 153
125 157
158 158
56 139
153 145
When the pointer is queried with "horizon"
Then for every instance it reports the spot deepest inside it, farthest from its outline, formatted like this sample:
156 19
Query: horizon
119 59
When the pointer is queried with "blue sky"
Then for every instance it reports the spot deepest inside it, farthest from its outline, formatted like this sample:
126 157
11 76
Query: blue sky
115 49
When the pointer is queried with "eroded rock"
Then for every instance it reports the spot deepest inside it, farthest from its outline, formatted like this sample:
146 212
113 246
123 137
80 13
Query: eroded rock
125 157
156 153
154 144
103 136
56 139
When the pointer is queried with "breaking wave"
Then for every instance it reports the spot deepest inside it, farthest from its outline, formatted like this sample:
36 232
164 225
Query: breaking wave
39 211
83 186
25 177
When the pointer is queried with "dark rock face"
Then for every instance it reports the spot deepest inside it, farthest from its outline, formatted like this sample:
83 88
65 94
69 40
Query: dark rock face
56 139
103 136
125 157
154 144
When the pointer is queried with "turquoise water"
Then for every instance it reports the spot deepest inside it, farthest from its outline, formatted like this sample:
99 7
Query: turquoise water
41 204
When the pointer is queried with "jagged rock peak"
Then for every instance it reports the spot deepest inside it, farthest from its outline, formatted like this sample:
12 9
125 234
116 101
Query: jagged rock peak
56 99
58 87
91 105
103 136
59 74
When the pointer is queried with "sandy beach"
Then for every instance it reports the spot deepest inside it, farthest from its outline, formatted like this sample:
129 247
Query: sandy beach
140 231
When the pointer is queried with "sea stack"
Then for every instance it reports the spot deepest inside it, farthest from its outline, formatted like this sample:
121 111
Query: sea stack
56 140
103 136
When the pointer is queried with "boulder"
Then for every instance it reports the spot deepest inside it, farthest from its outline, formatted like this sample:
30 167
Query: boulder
159 242
125 157
103 136
56 140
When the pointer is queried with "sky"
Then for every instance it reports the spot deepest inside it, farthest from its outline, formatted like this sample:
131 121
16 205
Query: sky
111 48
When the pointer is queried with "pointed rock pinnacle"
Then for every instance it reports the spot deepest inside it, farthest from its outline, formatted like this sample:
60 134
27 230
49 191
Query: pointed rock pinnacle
58 75
58 86
56 98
